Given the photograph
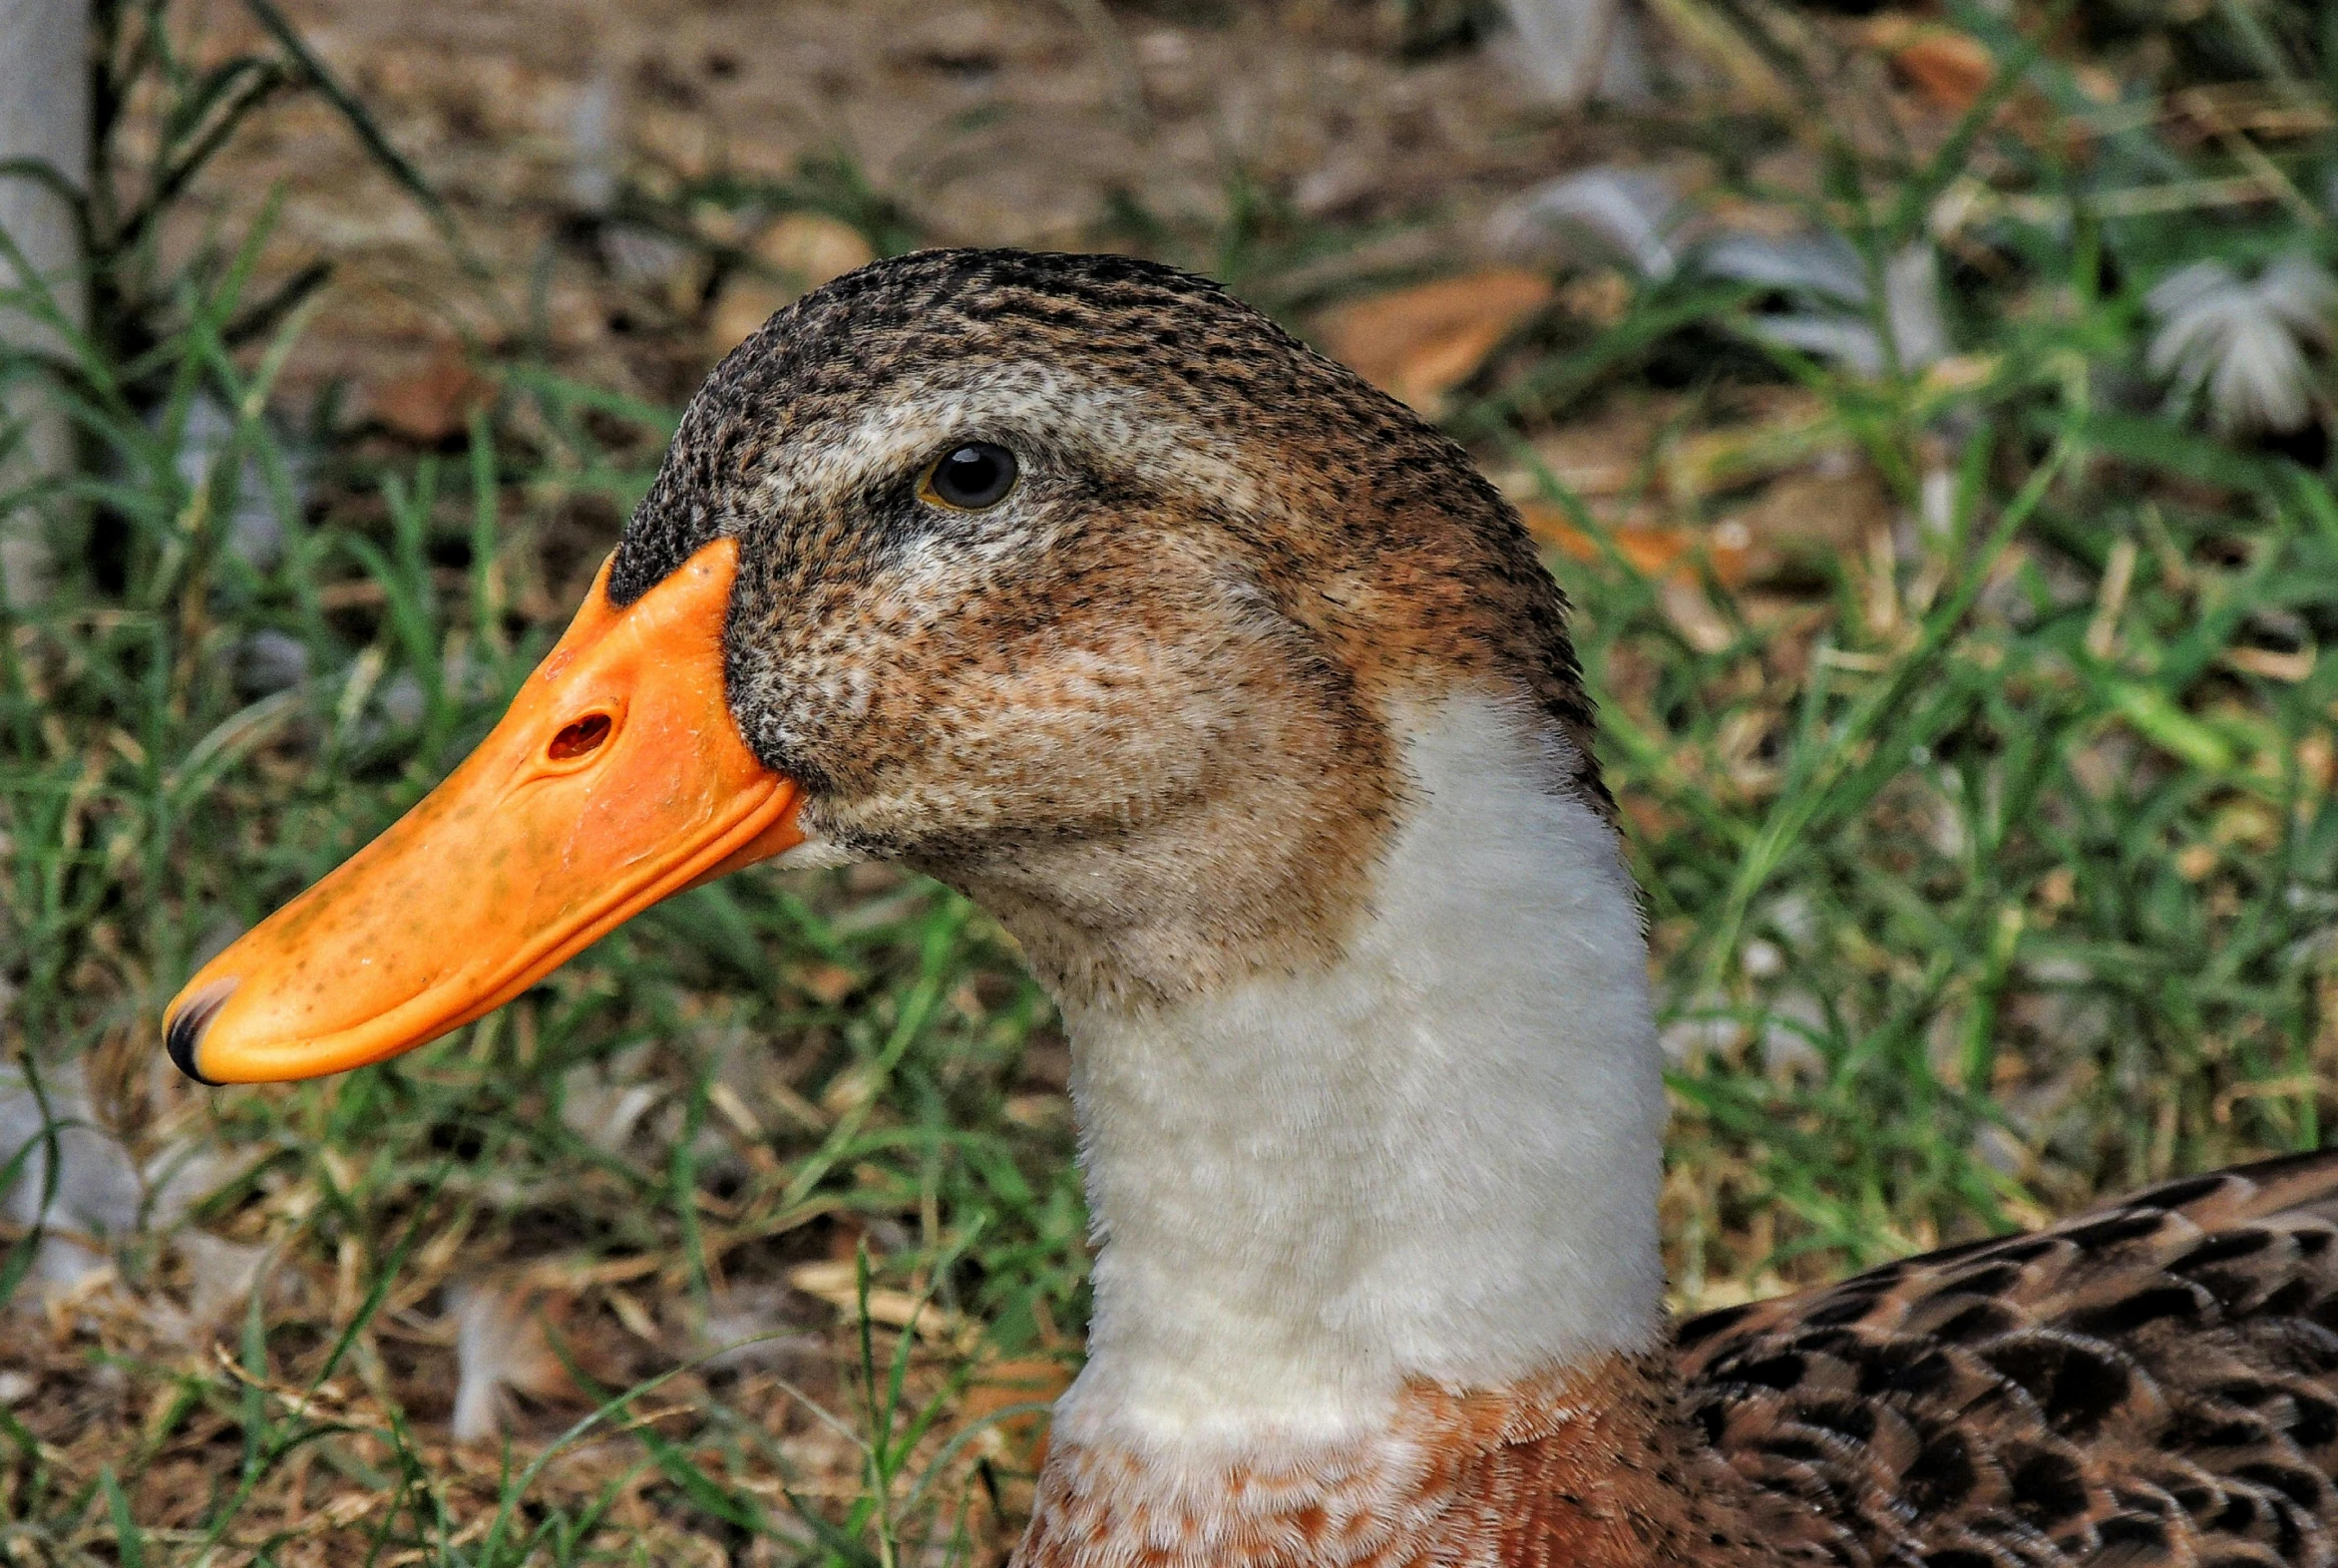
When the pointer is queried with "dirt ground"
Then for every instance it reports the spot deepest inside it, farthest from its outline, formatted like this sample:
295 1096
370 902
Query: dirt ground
621 169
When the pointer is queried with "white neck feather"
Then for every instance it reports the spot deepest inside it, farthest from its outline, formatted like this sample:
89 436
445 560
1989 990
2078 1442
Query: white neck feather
1437 1159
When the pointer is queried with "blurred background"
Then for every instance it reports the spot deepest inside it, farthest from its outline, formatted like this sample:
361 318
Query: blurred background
1927 406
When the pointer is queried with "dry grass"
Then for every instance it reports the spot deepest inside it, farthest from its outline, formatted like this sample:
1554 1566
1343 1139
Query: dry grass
1968 717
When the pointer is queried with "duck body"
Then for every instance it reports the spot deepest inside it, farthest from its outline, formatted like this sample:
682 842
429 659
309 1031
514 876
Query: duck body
1242 701
2150 1381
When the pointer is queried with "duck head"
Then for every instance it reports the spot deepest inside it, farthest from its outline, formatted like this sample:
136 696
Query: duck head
1069 580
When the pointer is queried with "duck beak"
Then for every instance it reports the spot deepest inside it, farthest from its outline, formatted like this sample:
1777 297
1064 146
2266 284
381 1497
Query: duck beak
617 778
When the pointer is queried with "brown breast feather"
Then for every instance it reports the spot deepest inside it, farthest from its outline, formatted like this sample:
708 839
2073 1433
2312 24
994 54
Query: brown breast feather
1588 1469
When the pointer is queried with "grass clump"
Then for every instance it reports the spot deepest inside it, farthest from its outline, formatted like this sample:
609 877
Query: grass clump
1959 671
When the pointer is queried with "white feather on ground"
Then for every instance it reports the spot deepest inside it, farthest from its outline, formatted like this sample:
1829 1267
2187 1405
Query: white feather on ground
500 1349
102 1192
599 1106
221 1275
2243 343
1629 217
750 1325
1911 304
1638 219
1813 263
1837 321
99 1192
594 147
1579 50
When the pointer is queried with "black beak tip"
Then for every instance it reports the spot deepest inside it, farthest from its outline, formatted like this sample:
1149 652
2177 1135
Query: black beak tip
186 1026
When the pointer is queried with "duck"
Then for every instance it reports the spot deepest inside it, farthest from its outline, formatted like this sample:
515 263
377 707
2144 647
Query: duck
1237 694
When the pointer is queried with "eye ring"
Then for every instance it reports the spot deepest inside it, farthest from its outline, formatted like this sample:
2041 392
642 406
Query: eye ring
972 476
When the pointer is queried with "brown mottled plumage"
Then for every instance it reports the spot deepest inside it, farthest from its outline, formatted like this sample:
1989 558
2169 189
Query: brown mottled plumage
2154 1381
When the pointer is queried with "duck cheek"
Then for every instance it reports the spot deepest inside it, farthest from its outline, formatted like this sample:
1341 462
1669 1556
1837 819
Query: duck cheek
617 778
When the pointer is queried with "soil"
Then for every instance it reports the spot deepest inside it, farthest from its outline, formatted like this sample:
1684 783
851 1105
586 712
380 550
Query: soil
624 170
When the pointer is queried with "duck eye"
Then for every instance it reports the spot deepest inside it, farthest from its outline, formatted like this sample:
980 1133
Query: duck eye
969 478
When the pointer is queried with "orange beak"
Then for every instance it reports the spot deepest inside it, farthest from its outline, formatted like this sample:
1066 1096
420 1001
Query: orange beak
617 778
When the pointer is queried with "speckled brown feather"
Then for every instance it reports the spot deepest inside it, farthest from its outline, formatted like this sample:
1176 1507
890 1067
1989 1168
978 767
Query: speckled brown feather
2153 1382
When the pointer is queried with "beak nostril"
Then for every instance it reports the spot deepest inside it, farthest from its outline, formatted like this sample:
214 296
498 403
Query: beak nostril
579 739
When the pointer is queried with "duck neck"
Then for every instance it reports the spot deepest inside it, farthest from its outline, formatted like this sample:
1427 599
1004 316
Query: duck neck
1431 1165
